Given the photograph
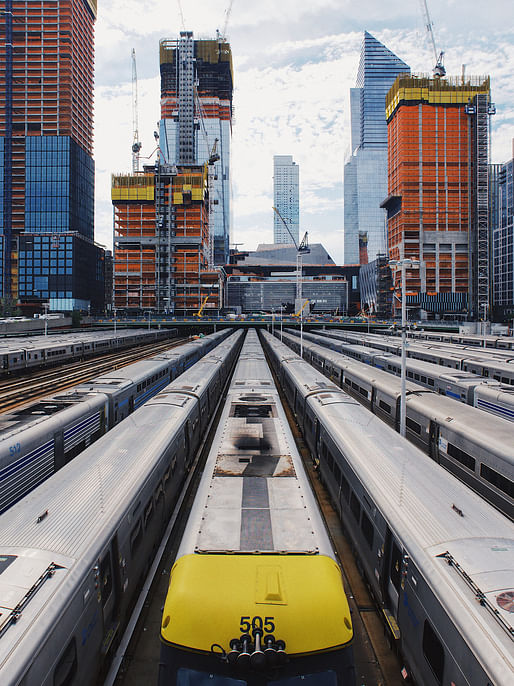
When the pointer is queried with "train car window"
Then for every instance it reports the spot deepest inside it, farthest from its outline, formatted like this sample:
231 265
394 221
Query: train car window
461 456
430 382
148 513
384 406
337 473
498 480
423 379
308 423
345 487
363 391
416 377
66 668
433 651
136 536
355 506
367 529
413 426
505 379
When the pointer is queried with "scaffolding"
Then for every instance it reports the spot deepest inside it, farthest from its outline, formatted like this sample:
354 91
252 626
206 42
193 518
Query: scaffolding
479 111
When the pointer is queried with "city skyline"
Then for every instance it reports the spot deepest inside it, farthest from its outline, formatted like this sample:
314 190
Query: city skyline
274 59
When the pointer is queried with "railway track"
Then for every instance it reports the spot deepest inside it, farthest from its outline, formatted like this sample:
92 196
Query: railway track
138 659
17 391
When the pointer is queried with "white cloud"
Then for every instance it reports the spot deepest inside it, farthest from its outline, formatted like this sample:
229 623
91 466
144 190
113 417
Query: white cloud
294 63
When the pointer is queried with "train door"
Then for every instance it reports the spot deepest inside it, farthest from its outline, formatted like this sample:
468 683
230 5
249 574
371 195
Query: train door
433 445
317 444
393 573
58 450
109 585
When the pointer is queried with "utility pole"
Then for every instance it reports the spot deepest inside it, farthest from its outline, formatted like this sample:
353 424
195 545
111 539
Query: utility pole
404 264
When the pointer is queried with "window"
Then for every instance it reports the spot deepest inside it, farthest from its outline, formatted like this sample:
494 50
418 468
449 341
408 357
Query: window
67 666
355 506
433 652
384 406
461 456
345 488
136 537
413 426
501 482
367 529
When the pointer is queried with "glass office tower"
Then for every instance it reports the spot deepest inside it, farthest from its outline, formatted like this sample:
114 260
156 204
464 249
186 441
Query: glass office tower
286 198
46 156
503 247
365 170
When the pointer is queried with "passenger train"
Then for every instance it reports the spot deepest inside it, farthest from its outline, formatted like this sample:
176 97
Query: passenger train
493 364
73 553
463 386
475 446
33 352
439 560
489 341
39 438
256 596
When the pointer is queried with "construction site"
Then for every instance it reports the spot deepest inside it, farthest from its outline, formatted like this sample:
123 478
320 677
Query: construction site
171 220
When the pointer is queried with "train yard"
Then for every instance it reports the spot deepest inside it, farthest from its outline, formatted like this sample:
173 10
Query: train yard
308 543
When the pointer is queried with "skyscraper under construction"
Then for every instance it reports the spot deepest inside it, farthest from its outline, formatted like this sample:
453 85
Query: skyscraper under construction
196 120
46 146
172 222
437 204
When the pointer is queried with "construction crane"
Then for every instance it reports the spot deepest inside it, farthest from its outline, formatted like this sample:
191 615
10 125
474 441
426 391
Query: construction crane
439 69
136 143
227 17
183 23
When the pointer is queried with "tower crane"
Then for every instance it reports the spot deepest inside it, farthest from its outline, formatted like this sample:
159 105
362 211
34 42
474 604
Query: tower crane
136 143
439 69
227 17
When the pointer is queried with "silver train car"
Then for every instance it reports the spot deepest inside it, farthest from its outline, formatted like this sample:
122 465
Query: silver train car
41 437
33 352
475 446
256 595
440 561
74 552
463 386
491 364
477 341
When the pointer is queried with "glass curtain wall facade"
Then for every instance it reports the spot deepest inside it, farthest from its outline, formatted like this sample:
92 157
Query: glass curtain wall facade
46 143
286 198
503 247
365 170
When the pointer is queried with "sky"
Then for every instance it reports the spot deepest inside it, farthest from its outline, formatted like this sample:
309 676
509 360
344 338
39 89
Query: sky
294 63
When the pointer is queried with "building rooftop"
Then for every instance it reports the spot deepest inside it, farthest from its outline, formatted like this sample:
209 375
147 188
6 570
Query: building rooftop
284 254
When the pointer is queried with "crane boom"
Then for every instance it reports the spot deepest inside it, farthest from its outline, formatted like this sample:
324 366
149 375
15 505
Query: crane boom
227 17
439 69
136 143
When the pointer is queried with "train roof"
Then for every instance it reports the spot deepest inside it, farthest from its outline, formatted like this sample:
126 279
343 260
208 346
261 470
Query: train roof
438 519
254 499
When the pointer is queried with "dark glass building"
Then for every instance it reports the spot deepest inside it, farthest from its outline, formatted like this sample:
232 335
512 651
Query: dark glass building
46 164
365 171
503 247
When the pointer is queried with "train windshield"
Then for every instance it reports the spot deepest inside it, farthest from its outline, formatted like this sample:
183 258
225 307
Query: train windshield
190 677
